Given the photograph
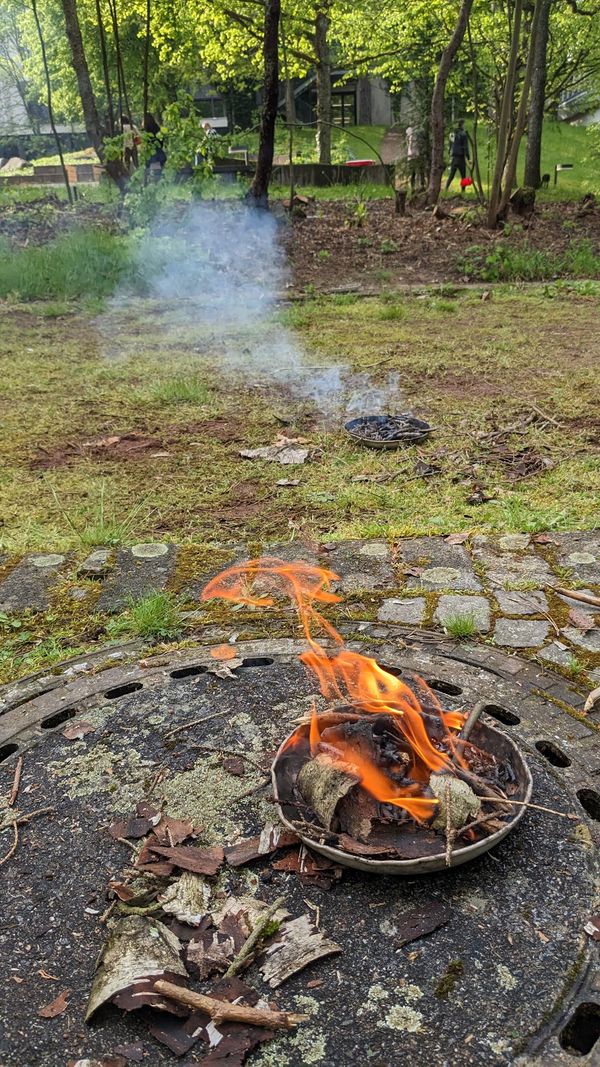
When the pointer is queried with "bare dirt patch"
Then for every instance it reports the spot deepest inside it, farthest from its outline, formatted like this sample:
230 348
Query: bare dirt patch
329 251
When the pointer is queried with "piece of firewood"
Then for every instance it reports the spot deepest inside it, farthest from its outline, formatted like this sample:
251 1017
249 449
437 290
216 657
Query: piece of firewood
222 1010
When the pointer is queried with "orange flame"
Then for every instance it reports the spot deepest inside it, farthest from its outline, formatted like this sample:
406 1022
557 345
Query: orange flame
349 677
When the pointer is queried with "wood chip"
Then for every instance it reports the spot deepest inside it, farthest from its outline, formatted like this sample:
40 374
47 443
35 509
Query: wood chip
300 943
251 848
421 921
56 1007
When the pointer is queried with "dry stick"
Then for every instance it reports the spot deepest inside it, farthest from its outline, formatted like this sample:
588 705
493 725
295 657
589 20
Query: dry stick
194 722
230 752
243 957
585 598
222 1010
15 822
16 782
543 414
13 847
450 832
538 807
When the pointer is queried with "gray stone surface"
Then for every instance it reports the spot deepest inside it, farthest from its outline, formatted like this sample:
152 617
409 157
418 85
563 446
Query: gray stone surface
514 542
520 633
443 566
133 578
504 570
407 610
515 603
553 653
29 584
570 601
580 552
363 566
595 675
96 564
476 607
589 641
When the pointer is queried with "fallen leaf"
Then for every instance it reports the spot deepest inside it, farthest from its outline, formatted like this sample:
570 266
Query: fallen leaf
77 730
122 891
592 700
223 652
542 539
581 620
56 1007
191 858
421 921
456 539
592 927
234 765
48 977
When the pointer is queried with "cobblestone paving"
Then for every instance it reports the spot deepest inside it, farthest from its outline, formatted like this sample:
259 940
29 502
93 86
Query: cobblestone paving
501 590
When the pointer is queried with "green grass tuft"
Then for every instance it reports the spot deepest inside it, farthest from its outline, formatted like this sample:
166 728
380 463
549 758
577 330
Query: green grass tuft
181 391
156 615
461 626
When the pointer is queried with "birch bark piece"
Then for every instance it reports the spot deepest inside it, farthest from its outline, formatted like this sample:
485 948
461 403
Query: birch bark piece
322 785
300 944
464 803
187 898
137 948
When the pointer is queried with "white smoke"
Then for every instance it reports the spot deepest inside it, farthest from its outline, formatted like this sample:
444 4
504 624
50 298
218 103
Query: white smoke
214 278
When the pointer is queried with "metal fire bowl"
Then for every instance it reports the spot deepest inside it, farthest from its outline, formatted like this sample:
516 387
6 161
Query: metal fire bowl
416 430
485 737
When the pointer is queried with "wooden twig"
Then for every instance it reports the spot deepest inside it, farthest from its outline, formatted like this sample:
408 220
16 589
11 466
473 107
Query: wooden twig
219 751
130 844
13 847
196 722
450 831
222 1010
476 824
16 782
537 807
543 414
255 789
244 955
585 598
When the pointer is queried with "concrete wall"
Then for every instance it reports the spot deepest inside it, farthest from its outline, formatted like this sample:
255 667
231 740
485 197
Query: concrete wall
381 103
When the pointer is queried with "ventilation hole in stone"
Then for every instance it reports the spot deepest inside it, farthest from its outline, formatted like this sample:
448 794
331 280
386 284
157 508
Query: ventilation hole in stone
7 750
189 672
582 1031
590 800
256 661
553 754
500 714
395 671
122 690
445 687
55 720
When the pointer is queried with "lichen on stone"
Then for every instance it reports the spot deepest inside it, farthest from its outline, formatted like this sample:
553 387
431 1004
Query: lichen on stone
505 978
401 1017
208 795
100 769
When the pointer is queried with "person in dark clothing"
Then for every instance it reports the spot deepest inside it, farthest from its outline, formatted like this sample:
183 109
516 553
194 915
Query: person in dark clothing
460 150
156 142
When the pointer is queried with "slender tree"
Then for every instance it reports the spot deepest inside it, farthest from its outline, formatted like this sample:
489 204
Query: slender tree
506 114
146 60
259 190
49 100
510 169
437 101
533 170
323 80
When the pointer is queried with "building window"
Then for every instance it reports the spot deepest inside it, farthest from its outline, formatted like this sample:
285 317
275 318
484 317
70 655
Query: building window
343 108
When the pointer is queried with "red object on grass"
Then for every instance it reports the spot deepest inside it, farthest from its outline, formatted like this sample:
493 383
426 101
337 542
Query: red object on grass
464 182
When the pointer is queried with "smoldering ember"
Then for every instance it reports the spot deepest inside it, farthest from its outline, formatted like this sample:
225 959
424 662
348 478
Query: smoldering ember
299 533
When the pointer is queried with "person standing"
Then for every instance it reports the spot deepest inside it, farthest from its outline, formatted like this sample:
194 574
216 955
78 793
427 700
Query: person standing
459 152
156 146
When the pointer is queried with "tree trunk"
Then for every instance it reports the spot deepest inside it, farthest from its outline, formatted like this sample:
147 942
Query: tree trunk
511 163
259 190
146 62
290 102
49 99
505 116
323 73
110 110
533 171
437 102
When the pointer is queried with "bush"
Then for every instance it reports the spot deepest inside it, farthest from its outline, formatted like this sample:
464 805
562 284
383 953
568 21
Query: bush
511 263
79 263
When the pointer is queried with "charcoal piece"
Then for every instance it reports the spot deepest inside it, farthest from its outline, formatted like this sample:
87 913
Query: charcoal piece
421 921
322 784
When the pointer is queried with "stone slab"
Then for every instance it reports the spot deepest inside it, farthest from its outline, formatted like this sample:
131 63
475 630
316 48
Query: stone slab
96 564
589 641
363 566
476 607
136 574
580 552
504 570
515 603
29 585
443 566
553 653
514 542
407 610
590 609
520 633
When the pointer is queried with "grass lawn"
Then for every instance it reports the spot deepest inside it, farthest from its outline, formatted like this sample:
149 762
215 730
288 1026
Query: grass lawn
478 370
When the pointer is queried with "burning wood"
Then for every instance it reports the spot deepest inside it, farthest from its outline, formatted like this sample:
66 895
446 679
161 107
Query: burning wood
387 773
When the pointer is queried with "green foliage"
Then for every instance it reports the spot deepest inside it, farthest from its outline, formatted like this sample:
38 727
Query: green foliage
510 262
157 615
461 626
181 391
79 263
387 247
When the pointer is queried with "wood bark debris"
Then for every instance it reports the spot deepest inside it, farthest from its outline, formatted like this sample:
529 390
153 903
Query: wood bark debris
251 848
138 950
246 952
322 785
188 898
221 1010
300 943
